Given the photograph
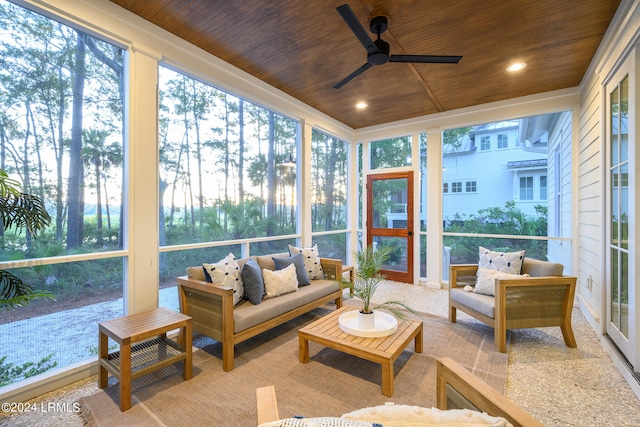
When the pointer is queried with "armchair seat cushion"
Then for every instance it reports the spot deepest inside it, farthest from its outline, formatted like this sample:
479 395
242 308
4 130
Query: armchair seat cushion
481 303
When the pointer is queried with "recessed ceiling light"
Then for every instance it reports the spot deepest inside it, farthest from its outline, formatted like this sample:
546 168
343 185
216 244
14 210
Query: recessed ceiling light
516 66
361 105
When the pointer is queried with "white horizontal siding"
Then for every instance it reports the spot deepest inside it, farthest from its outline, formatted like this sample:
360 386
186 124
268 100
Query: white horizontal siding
590 201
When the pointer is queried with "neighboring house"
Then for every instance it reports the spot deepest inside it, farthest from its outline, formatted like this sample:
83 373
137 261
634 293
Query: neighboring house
492 167
501 162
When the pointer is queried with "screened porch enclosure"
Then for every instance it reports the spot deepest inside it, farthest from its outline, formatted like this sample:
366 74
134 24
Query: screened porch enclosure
145 189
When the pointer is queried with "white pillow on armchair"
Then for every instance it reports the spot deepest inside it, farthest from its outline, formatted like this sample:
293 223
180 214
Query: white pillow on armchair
486 280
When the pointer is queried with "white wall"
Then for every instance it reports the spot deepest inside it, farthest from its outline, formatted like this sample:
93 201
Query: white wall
560 212
616 47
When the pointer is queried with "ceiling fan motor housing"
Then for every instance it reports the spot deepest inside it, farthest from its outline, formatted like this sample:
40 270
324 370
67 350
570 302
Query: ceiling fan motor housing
380 57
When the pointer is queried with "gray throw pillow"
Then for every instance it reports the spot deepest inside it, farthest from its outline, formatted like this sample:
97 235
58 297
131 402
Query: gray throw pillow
298 261
253 282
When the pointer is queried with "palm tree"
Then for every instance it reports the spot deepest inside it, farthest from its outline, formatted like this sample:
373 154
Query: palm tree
100 156
19 210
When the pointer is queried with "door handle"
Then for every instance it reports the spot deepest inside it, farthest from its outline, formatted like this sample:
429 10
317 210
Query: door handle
410 233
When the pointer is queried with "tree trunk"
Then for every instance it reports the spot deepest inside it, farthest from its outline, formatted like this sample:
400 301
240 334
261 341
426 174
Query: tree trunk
162 237
106 205
173 187
189 188
74 194
59 148
271 177
226 158
40 190
329 180
241 157
96 164
26 187
196 125
3 154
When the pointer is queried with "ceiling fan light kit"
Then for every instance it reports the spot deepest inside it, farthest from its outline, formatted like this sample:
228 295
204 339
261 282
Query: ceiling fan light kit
378 52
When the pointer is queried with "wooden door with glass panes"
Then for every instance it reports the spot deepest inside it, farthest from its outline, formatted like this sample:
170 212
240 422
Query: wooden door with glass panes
390 221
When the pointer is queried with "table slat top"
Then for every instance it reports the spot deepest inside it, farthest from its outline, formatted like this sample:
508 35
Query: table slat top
135 325
327 329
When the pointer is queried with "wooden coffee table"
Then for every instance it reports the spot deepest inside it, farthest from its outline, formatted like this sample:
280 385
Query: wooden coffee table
384 350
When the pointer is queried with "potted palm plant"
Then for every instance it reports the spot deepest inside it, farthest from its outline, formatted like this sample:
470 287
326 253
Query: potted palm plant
366 281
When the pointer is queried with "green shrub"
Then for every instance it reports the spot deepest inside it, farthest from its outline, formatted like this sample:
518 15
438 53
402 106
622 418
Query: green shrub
10 374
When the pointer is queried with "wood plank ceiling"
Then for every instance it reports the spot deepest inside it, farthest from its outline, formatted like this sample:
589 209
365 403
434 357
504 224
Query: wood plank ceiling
303 47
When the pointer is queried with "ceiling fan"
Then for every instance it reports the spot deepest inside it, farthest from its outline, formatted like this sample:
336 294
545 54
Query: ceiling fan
378 50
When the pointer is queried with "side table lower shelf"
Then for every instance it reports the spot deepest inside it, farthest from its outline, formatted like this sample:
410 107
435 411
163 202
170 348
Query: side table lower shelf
146 357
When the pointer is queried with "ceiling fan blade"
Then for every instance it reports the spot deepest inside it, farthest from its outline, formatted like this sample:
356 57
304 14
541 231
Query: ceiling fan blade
426 59
353 75
357 28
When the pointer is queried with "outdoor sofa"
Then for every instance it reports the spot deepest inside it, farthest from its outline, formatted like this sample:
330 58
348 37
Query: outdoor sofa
214 314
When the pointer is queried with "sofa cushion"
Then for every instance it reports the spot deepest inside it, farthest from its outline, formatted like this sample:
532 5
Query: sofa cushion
253 282
196 273
486 280
311 259
507 262
484 304
296 260
280 282
247 315
226 272
266 261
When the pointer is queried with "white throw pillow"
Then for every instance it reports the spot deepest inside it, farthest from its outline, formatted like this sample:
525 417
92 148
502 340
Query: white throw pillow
226 272
508 262
311 259
316 422
486 280
280 282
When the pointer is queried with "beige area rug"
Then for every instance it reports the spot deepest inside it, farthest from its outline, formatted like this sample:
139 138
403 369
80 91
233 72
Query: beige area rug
332 383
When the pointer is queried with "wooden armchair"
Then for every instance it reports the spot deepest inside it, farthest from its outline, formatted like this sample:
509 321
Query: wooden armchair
544 299
456 388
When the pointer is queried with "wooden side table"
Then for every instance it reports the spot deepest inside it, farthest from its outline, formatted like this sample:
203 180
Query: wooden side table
140 355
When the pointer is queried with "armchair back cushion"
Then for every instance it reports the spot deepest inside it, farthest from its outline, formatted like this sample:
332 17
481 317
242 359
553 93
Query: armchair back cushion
537 268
